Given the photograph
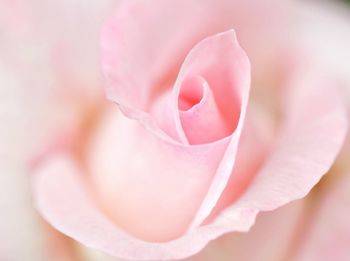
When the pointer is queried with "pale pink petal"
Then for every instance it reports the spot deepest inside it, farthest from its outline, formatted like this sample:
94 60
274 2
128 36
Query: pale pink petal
58 247
271 238
255 143
328 237
223 70
65 199
143 181
313 131
199 112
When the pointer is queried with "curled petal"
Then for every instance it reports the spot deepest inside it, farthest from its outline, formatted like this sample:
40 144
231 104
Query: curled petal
220 65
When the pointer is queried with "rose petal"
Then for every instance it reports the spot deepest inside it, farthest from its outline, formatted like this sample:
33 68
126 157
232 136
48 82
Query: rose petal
315 125
225 68
73 212
254 145
269 239
198 117
328 236
143 181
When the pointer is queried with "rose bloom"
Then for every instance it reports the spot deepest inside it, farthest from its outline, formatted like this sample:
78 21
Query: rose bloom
220 114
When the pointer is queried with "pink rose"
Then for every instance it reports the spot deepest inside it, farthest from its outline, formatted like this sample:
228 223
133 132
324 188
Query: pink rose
181 164
187 155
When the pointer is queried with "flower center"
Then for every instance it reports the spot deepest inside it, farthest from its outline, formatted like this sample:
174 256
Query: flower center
191 93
